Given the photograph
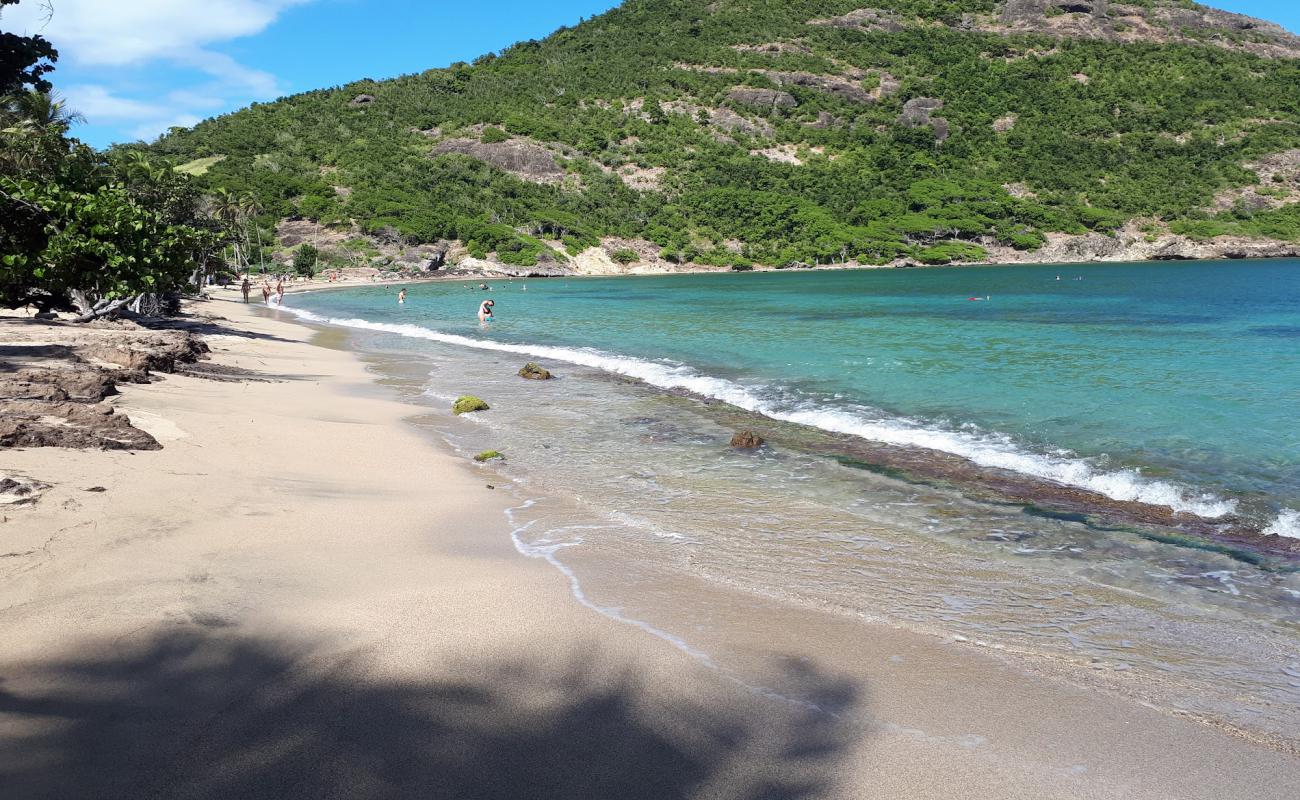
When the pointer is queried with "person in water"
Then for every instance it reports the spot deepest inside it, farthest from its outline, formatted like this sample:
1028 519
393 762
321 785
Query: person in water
485 311
245 287
401 296
279 291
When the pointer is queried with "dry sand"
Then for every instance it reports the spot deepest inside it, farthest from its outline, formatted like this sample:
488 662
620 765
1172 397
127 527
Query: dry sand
301 596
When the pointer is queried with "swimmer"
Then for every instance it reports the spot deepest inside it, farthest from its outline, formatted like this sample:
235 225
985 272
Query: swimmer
401 296
485 311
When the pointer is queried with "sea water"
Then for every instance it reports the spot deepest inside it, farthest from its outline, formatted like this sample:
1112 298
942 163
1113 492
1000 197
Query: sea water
1173 384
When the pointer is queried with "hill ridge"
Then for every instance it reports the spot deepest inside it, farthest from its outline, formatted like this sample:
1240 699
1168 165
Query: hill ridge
741 133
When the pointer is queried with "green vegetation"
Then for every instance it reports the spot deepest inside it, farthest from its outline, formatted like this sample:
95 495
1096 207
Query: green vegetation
81 229
305 260
468 403
488 455
1102 133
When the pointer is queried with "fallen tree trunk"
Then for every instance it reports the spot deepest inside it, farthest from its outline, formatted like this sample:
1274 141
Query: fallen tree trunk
103 308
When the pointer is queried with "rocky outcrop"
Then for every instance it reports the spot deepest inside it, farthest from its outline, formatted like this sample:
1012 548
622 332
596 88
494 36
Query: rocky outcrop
32 423
361 100
864 19
919 112
843 88
1131 244
762 98
1160 21
535 372
746 440
520 157
56 378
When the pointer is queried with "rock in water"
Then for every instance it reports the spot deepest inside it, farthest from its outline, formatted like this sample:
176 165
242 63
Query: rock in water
488 455
746 440
535 372
467 403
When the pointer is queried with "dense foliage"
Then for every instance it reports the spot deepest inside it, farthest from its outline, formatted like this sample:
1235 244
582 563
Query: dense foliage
1090 134
79 227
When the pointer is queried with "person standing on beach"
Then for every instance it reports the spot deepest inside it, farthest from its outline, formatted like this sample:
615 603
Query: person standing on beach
245 287
266 292
485 311
279 291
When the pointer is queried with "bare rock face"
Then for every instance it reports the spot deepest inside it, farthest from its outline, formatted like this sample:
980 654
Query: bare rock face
361 100
762 98
919 112
1004 124
746 440
1160 21
864 19
842 88
519 157
730 121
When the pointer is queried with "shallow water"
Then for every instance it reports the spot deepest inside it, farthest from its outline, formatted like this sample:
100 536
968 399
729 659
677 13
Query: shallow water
1172 383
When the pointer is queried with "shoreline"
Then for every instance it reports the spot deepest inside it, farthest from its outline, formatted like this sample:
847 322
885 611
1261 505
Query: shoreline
1230 533
448 277
284 528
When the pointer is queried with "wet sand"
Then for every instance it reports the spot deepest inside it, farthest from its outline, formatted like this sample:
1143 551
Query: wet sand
302 596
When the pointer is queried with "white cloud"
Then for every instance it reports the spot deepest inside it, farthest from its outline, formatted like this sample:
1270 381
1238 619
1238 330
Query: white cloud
107 33
116 37
99 103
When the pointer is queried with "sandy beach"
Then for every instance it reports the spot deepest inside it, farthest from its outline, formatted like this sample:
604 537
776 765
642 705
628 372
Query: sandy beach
302 595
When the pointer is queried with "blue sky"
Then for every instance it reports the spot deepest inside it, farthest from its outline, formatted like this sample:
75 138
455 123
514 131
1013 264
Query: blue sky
136 67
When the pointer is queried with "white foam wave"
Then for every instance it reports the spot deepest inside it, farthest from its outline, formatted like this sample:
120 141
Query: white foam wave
1287 524
981 449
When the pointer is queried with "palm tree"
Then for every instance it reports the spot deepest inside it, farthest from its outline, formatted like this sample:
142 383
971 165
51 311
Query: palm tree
42 111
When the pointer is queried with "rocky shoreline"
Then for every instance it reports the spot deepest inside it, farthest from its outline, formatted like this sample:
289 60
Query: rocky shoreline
58 378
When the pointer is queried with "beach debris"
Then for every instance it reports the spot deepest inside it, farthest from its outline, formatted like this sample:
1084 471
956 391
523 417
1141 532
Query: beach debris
746 440
467 403
96 489
19 490
535 372
488 455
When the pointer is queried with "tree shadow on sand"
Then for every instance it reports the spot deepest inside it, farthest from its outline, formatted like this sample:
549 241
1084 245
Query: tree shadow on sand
208 715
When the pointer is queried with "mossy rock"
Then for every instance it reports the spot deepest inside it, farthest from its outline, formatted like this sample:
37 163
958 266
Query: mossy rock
746 440
467 403
488 455
535 372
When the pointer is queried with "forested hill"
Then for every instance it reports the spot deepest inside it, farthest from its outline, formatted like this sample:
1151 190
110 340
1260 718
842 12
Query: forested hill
788 132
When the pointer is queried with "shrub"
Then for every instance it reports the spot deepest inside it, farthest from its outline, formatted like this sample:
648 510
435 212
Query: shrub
305 260
625 256
492 135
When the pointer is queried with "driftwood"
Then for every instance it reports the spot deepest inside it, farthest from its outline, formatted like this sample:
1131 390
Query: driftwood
148 304
104 308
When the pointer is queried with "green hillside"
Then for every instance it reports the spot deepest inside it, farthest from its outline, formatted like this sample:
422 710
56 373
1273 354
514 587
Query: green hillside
779 132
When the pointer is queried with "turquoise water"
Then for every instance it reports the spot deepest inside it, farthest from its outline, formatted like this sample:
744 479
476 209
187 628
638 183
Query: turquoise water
1175 383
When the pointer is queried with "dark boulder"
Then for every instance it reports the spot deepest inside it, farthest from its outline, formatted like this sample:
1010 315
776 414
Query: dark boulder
746 440
535 372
